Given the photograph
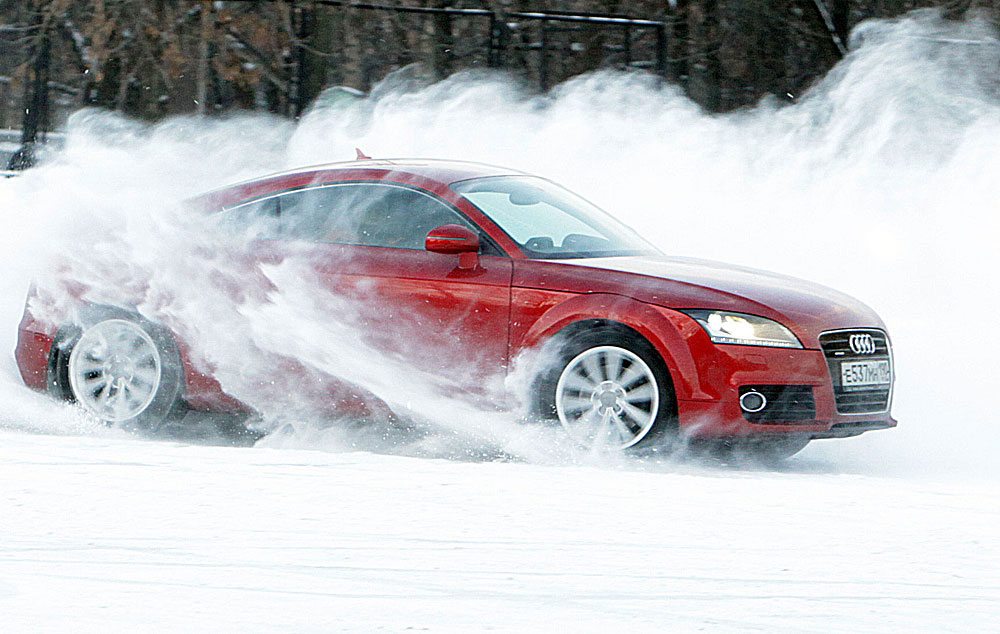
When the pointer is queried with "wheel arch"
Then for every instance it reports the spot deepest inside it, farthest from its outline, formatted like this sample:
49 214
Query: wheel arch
670 333
624 329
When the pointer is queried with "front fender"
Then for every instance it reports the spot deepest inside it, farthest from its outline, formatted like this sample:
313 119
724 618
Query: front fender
541 314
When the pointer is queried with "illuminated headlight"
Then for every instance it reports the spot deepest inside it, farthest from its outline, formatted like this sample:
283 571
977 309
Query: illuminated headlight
746 330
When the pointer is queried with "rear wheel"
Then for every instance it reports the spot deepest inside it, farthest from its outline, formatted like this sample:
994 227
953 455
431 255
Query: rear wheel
120 368
609 390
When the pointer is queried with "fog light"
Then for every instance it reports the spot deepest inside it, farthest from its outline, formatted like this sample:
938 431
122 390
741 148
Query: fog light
753 402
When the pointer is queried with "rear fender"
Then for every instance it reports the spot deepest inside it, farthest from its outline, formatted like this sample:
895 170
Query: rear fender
34 342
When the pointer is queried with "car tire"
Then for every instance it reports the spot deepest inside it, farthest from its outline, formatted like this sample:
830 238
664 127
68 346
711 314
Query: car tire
120 368
609 389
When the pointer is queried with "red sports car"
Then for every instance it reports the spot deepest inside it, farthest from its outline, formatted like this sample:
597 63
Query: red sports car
479 263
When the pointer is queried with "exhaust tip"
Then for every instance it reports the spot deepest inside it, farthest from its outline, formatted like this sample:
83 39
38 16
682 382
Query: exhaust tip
753 402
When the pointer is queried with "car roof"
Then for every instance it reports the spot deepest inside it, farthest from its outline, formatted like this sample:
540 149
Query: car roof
443 171
432 173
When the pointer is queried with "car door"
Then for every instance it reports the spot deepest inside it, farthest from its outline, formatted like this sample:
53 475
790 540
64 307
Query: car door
366 241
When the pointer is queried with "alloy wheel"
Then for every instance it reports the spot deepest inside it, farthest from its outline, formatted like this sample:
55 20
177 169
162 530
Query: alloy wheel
115 370
607 396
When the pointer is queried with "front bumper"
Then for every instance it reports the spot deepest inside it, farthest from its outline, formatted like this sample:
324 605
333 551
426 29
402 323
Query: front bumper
728 368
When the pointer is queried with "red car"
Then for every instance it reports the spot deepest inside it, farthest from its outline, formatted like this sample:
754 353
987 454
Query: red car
479 263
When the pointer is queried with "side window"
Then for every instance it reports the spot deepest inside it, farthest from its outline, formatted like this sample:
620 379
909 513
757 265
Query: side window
398 218
309 214
255 220
364 214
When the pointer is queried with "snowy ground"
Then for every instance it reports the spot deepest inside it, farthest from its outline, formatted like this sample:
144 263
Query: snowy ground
119 534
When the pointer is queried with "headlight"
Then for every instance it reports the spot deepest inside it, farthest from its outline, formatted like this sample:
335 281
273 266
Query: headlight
746 330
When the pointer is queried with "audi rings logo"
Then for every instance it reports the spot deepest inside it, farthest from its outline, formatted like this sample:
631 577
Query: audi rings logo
862 344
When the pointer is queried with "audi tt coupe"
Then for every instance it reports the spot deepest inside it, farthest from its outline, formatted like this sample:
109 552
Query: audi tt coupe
463 267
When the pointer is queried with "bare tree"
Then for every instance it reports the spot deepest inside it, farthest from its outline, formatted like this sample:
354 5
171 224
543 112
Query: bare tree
151 58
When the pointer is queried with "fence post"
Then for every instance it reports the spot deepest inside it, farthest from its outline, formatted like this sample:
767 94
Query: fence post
297 96
661 51
680 70
444 42
201 87
627 44
543 64
495 43
841 15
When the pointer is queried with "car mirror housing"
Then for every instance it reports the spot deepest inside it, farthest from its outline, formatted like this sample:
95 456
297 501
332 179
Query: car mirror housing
452 239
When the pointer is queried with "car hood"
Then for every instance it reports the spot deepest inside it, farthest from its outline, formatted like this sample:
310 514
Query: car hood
675 282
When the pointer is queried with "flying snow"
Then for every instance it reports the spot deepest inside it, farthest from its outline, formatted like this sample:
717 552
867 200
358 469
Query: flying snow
881 182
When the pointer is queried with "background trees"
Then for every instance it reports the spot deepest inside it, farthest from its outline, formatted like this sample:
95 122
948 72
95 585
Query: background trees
151 58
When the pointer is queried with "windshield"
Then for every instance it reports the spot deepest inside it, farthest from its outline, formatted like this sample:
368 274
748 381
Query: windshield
549 222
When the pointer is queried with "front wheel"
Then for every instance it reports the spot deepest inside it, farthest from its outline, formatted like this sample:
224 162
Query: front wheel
121 369
610 390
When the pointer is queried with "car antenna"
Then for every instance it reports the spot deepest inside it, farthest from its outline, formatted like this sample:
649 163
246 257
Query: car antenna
361 155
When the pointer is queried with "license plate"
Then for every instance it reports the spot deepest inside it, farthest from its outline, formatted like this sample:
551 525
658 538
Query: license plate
859 374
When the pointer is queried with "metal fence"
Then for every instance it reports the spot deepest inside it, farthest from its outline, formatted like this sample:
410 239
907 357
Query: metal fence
533 41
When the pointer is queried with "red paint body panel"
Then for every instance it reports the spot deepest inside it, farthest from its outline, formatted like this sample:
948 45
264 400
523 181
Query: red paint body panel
202 391
34 341
435 308
424 306
806 308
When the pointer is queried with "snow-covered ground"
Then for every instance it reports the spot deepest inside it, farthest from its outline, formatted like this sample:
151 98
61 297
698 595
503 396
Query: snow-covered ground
115 534
882 183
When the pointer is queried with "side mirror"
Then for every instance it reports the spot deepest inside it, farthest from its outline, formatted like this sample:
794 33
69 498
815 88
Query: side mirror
452 239
455 240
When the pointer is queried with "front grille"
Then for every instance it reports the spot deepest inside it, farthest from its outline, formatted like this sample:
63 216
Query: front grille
837 349
785 403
